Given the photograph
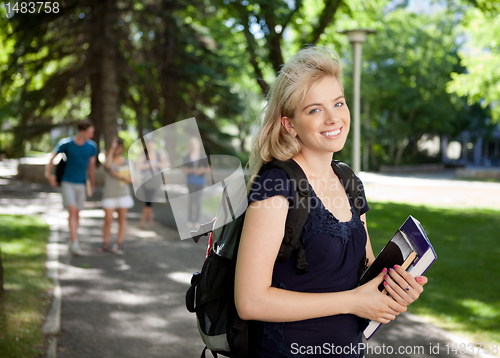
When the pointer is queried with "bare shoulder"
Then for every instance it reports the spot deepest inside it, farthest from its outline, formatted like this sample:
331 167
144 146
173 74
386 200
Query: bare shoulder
264 226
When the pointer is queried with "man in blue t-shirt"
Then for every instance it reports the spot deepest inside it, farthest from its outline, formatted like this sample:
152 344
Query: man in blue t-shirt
81 153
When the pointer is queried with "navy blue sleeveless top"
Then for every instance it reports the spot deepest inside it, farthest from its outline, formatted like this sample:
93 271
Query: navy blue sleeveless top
333 252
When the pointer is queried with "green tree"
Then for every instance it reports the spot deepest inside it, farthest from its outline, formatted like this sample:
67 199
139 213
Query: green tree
491 7
480 55
273 30
406 69
265 33
123 64
178 70
59 68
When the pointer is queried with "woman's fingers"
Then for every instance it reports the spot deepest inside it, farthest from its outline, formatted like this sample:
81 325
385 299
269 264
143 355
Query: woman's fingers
397 286
422 280
412 281
396 292
390 311
394 306
403 287
386 319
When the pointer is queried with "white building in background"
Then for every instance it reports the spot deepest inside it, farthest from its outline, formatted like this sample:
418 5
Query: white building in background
472 150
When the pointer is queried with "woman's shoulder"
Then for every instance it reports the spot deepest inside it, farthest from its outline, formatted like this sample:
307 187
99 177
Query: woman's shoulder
270 183
272 174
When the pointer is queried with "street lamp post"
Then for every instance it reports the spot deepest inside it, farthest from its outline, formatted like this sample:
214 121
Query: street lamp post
356 38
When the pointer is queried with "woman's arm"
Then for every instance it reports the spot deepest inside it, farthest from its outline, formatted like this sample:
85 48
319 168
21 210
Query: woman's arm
369 251
187 170
116 174
255 299
164 161
202 169
144 163
111 152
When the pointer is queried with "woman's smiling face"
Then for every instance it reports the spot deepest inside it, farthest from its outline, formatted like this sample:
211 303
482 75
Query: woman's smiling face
322 121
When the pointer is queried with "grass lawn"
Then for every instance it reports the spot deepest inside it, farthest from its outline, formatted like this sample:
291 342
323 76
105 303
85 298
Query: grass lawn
463 293
23 242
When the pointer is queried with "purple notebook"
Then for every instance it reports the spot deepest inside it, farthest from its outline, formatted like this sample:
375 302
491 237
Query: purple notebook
408 242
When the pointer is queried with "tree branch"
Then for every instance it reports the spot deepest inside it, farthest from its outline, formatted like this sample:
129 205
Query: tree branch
252 46
273 39
288 18
326 17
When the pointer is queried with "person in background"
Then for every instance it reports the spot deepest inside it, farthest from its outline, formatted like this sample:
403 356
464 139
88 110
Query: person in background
116 196
149 165
81 153
195 168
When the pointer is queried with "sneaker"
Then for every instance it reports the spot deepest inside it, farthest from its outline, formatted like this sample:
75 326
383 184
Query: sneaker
74 248
117 249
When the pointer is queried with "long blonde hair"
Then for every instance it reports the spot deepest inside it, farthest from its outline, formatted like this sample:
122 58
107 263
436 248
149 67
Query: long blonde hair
294 81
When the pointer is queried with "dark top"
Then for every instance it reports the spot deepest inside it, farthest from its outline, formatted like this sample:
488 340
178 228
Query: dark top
333 251
194 178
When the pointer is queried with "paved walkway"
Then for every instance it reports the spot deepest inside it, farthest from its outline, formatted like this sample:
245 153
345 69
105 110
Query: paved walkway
438 189
133 305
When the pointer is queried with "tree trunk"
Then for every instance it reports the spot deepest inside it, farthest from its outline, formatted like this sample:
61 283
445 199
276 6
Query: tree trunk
374 158
108 70
243 138
392 149
168 78
273 40
103 74
401 147
94 59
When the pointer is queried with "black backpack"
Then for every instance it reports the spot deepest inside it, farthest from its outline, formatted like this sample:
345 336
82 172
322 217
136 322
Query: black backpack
211 295
60 168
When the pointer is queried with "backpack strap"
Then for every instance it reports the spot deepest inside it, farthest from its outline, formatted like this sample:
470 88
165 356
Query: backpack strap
240 340
353 189
297 217
351 184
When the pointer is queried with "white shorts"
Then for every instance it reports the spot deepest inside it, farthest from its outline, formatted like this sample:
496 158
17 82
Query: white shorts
120 202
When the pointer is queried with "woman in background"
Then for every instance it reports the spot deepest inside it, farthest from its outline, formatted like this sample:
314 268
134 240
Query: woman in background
116 195
195 168
149 165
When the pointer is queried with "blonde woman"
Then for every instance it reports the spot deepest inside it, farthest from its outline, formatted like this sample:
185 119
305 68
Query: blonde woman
307 120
